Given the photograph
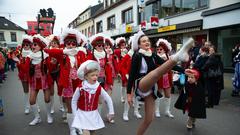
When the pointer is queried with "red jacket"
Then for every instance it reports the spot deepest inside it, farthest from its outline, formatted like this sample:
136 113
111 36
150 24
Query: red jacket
65 64
124 66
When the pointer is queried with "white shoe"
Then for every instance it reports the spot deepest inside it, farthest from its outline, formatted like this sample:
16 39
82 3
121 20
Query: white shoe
138 115
27 110
52 111
73 131
35 121
61 109
157 114
168 114
122 100
125 117
49 119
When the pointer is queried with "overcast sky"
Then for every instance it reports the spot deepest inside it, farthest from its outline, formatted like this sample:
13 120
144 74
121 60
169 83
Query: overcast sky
21 11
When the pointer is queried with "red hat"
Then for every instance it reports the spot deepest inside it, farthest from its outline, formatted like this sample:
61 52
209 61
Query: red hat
41 41
109 40
164 44
27 39
71 34
193 72
97 39
120 40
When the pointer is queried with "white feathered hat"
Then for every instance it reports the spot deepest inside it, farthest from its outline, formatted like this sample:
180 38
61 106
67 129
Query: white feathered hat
135 40
109 40
69 33
27 38
120 40
95 38
165 44
40 40
86 66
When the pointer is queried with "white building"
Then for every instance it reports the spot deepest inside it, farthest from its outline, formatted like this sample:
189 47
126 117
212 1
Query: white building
10 33
118 18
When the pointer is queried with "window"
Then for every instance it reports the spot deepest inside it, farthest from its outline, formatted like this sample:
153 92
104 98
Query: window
111 2
93 30
2 36
89 31
99 26
171 7
150 10
106 3
111 24
127 16
13 37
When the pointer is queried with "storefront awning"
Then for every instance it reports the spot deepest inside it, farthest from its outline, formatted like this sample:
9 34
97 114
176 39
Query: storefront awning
175 32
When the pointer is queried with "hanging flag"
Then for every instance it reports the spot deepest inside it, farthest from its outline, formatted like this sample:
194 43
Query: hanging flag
154 21
143 25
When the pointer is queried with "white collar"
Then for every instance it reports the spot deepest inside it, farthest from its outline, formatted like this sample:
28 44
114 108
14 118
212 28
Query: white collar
70 52
25 53
37 57
130 52
90 88
146 53
124 52
82 49
99 55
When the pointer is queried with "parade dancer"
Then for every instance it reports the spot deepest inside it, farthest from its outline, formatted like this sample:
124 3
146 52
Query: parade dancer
110 58
86 97
53 74
163 48
37 68
99 55
125 66
145 74
23 72
120 52
69 59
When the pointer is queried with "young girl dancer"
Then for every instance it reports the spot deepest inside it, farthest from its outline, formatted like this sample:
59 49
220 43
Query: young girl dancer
38 77
145 73
120 52
69 59
85 99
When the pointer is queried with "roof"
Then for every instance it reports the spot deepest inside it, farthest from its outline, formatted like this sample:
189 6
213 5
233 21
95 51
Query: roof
96 8
8 25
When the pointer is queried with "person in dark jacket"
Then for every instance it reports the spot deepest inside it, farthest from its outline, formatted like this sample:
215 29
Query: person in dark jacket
144 73
214 79
192 99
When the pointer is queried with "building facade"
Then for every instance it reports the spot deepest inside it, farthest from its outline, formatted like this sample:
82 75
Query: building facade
10 33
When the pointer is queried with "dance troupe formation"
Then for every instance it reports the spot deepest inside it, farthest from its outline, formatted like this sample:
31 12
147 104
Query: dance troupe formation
84 71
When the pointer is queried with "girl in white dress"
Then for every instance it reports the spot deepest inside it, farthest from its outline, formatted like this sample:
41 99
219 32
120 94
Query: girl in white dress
86 97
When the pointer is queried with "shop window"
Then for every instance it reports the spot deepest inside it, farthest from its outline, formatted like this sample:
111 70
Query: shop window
127 16
99 26
2 36
13 37
111 23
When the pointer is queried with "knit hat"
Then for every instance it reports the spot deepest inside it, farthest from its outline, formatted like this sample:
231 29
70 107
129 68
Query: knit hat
120 40
135 39
86 66
193 72
73 34
27 39
97 39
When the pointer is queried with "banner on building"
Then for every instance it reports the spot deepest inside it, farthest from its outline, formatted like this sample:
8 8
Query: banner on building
154 21
143 25
129 29
167 28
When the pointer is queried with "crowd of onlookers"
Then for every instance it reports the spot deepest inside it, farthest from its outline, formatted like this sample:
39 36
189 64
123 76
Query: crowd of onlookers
6 63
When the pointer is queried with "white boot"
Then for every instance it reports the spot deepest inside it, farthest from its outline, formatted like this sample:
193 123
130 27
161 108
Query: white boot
61 104
136 112
26 103
70 120
182 54
157 111
38 108
167 107
49 115
52 104
126 109
123 94
37 118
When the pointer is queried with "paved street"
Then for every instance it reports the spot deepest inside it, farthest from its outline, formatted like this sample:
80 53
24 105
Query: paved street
221 120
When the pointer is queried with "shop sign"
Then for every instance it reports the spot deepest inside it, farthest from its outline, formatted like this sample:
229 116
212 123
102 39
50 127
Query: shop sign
154 21
167 28
143 25
128 29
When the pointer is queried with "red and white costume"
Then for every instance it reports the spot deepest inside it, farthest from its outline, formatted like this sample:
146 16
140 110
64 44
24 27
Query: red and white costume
85 104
